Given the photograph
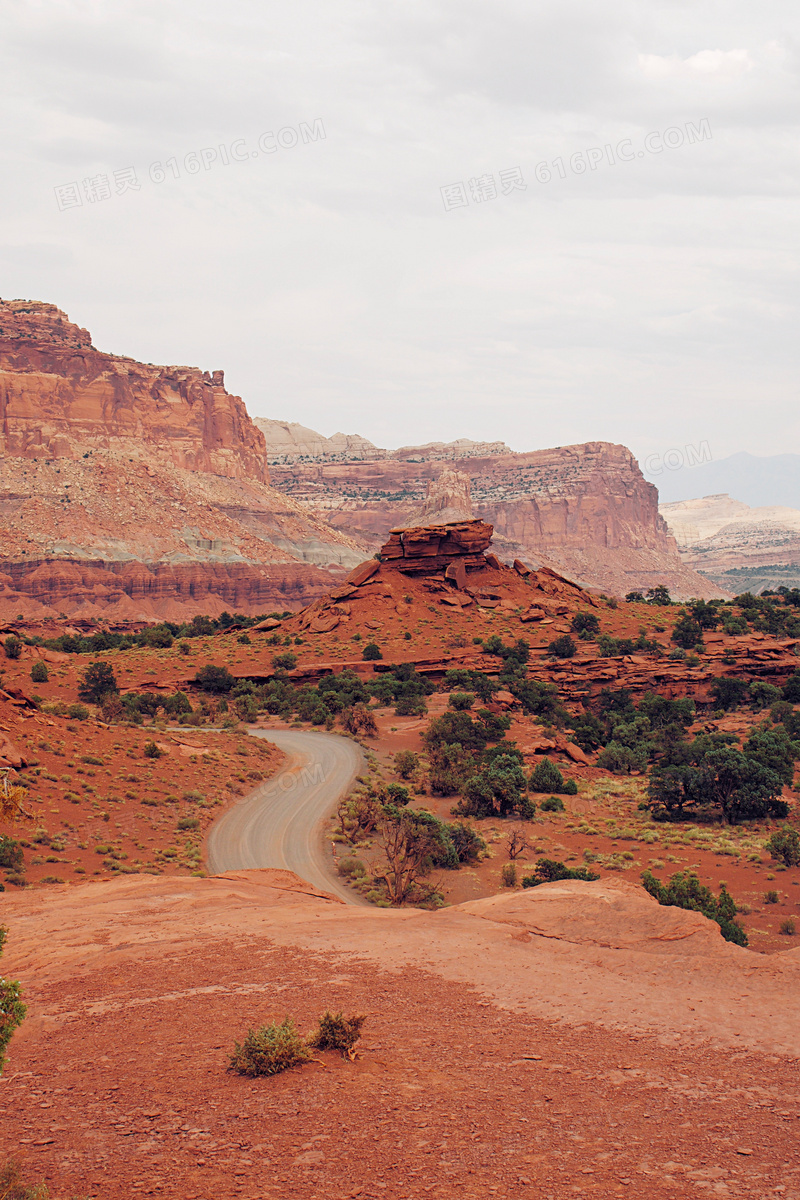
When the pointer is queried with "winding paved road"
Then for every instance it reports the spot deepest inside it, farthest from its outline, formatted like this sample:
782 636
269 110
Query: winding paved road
281 823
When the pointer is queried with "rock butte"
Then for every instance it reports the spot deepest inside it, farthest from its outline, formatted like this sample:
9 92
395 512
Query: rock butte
586 511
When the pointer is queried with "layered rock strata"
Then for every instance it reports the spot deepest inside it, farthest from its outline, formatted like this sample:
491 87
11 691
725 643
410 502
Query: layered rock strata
585 511
135 490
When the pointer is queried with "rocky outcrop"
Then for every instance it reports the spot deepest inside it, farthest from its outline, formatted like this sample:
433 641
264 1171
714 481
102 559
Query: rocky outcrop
585 511
115 469
288 442
448 498
137 591
429 549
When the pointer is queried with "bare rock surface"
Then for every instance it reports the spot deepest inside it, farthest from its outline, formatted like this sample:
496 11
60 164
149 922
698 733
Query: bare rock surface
552 1042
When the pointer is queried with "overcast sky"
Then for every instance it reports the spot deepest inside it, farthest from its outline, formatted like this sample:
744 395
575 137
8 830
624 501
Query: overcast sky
647 297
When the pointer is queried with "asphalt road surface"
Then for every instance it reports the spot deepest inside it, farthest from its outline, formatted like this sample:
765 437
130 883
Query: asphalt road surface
281 824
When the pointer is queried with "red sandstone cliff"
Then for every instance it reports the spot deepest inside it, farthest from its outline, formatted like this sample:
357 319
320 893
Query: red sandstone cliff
135 490
585 510
59 398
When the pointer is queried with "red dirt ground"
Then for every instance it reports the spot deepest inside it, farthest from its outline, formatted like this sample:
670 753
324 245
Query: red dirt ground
116 1084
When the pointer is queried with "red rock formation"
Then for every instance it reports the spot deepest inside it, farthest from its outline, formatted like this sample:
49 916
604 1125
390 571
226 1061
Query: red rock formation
585 510
139 591
429 549
141 491
60 397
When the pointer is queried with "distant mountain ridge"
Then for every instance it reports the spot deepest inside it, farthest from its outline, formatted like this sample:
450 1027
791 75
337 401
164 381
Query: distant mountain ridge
739 547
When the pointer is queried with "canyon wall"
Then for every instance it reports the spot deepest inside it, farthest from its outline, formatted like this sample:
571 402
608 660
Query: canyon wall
114 470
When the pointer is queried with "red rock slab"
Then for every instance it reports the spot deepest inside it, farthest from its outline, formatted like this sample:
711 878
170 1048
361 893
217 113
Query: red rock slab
363 572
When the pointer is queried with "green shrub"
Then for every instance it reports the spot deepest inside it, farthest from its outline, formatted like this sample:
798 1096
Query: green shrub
98 682
570 787
188 823
585 624
788 927
371 652
461 701
771 897
78 712
784 846
352 868
398 795
12 646
285 661
685 890
12 1010
39 672
552 804
151 750
269 1050
12 856
562 647
337 1032
546 777
468 842
509 874
549 870
213 679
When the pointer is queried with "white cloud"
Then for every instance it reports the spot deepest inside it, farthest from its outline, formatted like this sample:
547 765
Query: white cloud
634 300
705 64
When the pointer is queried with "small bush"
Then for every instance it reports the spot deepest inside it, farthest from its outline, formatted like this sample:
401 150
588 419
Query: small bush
788 927
784 846
151 750
771 897
546 777
39 672
285 661
12 856
12 1010
188 823
406 763
216 680
78 712
398 795
548 870
468 842
461 701
552 804
337 1032
12 1186
352 868
509 874
269 1050
562 647
12 646
371 652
